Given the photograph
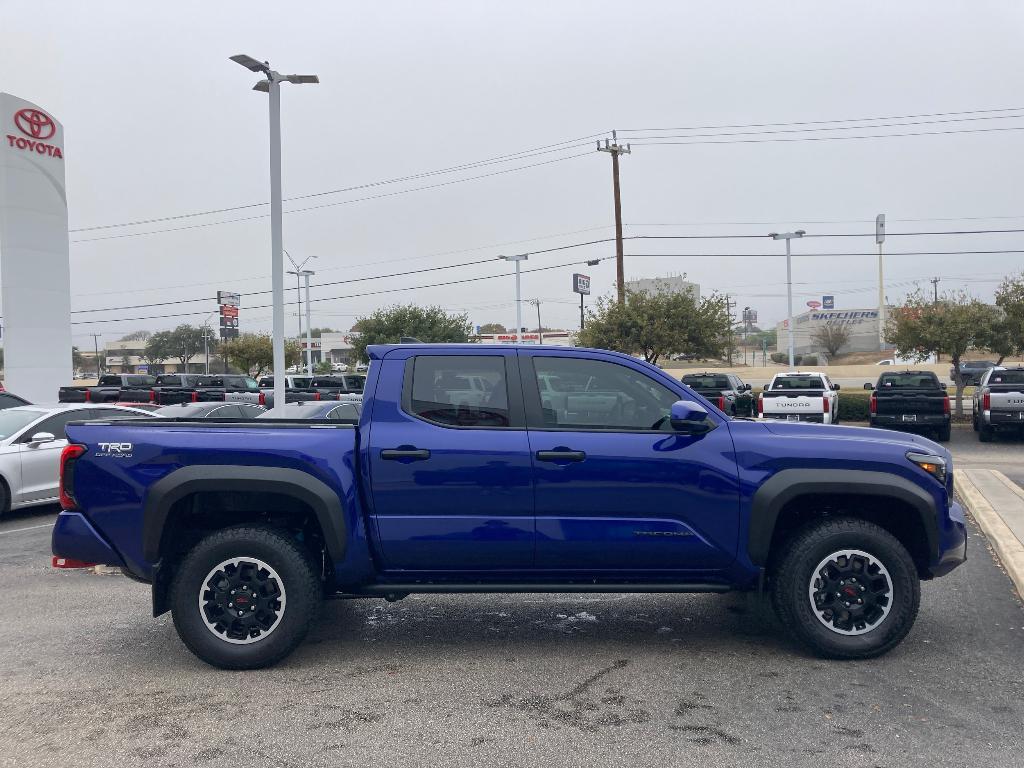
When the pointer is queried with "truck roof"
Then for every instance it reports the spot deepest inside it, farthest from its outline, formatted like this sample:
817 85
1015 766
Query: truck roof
801 373
378 351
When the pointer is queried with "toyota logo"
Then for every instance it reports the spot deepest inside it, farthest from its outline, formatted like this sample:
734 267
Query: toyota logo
35 123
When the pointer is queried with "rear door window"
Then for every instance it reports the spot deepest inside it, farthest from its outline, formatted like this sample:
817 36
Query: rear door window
459 391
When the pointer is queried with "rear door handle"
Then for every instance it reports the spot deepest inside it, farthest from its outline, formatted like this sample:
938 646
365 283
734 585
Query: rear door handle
397 454
563 455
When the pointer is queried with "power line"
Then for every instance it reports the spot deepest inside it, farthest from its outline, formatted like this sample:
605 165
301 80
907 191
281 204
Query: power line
332 205
817 254
823 122
496 276
643 143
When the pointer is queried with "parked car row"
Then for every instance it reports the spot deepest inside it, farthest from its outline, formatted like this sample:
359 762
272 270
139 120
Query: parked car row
999 402
174 388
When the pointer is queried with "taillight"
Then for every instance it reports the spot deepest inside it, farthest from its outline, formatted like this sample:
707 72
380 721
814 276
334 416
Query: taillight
824 401
986 401
66 562
263 398
88 396
195 397
68 456
945 405
316 395
721 403
152 396
873 404
760 404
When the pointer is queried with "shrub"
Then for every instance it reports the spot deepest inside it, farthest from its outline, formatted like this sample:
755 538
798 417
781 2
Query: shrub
809 360
853 406
782 358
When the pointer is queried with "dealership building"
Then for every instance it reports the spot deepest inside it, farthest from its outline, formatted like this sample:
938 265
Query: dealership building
862 325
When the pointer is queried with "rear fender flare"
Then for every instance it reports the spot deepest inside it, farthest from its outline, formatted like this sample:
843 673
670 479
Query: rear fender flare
163 494
789 484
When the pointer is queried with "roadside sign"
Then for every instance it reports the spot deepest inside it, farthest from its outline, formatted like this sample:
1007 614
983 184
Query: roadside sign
880 228
828 302
228 298
228 311
581 284
813 304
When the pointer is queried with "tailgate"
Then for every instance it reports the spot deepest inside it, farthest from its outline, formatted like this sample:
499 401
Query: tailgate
895 404
71 394
791 402
1006 399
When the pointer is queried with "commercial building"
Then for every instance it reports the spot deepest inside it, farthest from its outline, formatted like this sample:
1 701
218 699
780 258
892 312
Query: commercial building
559 338
669 284
861 324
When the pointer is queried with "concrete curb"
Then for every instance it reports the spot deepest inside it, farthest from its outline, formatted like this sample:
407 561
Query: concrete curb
1006 545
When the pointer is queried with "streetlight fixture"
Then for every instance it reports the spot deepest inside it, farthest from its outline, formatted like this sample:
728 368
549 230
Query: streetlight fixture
272 86
787 236
307 273
519 307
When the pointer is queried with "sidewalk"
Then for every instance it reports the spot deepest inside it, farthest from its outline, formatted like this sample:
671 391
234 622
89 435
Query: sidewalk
997 503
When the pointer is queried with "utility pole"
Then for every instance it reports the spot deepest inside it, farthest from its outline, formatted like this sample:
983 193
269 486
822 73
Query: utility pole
729 304
615 149
96 351
540 328
935 289
206 346
879 239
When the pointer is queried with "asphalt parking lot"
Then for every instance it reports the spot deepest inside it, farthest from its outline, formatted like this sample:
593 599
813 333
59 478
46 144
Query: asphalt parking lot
90 679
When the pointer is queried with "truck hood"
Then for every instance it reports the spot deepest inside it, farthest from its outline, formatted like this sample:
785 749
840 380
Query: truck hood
829 432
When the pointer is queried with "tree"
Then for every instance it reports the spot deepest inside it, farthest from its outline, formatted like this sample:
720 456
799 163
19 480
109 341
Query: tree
136 336
316 333
158 347
657 324
1010 299
429 324
254 353
949 326
77 359
831 338
184 343
492 328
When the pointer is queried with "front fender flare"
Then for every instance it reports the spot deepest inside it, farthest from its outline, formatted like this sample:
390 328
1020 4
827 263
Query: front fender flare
789 484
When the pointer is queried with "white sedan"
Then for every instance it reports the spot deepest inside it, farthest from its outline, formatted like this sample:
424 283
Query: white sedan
31 439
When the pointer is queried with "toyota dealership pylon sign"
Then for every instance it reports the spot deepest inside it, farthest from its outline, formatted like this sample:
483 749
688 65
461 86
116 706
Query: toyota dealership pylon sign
34 274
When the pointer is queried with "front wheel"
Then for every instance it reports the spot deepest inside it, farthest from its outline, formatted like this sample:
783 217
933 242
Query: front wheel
846 588
244 597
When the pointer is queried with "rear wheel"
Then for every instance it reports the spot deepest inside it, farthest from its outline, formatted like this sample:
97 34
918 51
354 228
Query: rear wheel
944 433
846 588
5 498
985 433
244 597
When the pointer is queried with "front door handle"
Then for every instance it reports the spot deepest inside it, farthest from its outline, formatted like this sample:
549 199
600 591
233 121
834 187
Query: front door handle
397 454
561 455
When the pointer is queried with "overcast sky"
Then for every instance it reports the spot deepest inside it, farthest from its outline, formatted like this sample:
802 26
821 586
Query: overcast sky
160 123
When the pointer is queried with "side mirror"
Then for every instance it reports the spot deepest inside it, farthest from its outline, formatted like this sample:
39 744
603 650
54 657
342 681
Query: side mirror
747 387
836 387
42 437
869 386
690 418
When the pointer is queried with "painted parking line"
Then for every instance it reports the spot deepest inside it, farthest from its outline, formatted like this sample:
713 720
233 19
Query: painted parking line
30 528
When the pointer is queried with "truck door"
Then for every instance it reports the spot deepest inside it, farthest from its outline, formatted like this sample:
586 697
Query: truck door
450 474
616 489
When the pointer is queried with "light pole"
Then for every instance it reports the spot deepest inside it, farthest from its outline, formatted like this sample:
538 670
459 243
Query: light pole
519 306
298 287
879 239
272 86
540 328
787 236
306 273
206 341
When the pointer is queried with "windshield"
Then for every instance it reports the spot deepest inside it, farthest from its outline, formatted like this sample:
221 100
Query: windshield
797 382
13 420
908 381
706 382
1007 377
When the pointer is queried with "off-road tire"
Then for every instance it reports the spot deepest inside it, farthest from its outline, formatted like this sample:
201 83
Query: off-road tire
944 433
985 433
794 572
299 581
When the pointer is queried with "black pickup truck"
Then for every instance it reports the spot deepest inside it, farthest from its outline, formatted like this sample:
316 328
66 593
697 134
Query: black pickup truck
724 390
910 400
108 389
330 387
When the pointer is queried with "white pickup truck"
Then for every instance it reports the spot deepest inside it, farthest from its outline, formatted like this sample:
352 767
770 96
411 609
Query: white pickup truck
800 396
999 402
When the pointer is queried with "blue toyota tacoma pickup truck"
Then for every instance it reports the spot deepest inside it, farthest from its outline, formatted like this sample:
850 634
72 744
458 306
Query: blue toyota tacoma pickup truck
481 469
